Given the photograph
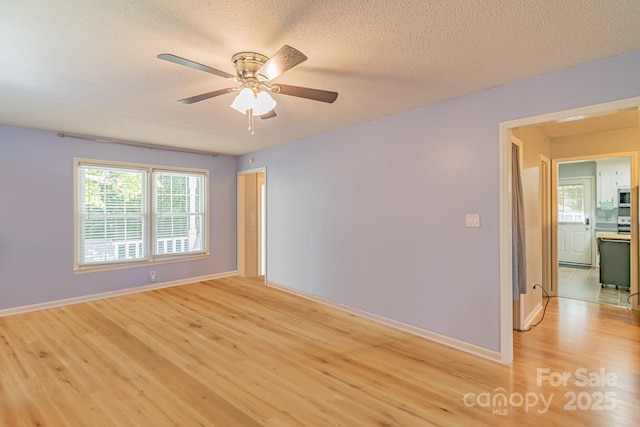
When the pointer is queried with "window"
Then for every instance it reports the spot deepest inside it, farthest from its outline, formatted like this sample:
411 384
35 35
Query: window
571 203
178 212
137 213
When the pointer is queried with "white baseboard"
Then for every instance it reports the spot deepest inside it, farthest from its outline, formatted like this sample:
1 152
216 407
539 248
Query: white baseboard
111 294
494 356
529 320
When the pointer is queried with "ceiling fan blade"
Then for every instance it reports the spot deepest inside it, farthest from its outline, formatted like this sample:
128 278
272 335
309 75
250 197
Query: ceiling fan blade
284 59
271 114
305 92
188 63
207 95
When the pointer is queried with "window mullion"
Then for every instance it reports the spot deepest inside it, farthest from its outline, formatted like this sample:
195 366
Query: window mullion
149 214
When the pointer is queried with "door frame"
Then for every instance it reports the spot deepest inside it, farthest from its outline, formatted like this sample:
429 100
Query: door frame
245 255
504 148
545 220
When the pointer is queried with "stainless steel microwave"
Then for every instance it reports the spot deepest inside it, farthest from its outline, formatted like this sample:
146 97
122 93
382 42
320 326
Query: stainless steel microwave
624 197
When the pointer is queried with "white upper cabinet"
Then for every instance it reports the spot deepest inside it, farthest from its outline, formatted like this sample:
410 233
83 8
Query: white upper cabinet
607 189
612 174
624 178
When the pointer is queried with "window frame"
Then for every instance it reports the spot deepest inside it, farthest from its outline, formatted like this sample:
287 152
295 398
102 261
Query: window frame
149 211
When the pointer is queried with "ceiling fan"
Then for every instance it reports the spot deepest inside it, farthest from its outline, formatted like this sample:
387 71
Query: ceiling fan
255 72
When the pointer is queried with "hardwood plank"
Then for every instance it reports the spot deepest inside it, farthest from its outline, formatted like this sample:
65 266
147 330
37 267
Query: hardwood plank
233 352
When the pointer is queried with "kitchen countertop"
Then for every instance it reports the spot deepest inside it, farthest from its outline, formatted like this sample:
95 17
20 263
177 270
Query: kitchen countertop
614 236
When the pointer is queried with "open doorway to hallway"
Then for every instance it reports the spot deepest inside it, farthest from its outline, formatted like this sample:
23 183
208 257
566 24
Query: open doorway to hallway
541 145
592 160
252 217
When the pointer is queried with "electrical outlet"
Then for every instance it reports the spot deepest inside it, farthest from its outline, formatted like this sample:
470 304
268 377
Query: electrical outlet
152 276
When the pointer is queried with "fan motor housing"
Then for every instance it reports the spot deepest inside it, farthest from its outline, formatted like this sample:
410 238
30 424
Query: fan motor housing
247 64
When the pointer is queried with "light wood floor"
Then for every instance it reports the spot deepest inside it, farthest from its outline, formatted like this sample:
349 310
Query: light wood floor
234 352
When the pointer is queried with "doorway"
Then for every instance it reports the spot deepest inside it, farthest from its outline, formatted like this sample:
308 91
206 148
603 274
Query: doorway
583 217
552 120
252 223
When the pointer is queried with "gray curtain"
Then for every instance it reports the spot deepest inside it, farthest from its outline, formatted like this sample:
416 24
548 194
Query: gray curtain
518 253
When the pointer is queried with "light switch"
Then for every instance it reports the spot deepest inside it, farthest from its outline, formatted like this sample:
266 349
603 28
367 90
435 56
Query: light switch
473 220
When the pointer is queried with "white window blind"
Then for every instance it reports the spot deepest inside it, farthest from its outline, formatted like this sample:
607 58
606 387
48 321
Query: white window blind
178 212
112 206
129 213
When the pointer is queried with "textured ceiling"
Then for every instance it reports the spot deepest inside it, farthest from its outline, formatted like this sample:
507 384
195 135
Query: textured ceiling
90 67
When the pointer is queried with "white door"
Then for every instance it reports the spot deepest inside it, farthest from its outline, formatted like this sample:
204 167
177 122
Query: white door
575 229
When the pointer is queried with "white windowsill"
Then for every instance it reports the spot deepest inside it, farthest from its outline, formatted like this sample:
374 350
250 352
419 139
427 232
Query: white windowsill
133 264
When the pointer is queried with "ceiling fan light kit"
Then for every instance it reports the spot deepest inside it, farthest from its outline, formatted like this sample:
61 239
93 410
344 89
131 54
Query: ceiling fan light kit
253 103
263 103
258 101
254 71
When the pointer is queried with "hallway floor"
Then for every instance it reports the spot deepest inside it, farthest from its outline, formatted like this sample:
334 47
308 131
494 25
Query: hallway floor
583 283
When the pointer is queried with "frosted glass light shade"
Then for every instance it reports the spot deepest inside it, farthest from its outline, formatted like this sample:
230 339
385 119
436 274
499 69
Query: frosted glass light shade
263 104
244 101
247 100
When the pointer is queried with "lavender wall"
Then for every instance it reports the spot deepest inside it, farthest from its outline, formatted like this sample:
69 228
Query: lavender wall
373 216
36 217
